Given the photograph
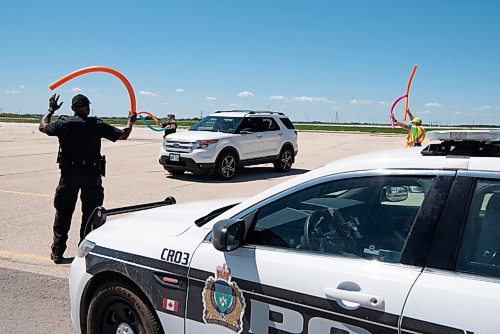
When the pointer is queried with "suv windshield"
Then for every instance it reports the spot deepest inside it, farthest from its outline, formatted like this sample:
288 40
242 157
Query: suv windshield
217 124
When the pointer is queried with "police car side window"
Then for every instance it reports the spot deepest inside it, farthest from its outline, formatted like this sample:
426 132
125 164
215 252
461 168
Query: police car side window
366 217
480 247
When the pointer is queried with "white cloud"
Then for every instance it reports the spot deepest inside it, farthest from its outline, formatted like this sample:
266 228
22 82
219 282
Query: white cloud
484 108
211 98
22 86
361 102
179 90
458 113
424 112
307 99
12 91
433 105
234 105
245 94
165 103
277 97
76 89
148 94
383 103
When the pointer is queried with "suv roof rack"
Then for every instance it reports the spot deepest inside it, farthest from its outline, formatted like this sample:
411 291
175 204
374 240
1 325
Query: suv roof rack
473 143
252 112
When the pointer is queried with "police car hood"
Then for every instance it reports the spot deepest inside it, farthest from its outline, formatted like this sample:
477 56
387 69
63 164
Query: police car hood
198 135
165 221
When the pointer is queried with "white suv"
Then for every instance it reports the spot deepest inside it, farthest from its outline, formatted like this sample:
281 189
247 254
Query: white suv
402 241
226 140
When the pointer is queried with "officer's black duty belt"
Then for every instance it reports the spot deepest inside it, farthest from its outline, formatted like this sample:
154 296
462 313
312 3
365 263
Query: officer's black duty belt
93 163
82 163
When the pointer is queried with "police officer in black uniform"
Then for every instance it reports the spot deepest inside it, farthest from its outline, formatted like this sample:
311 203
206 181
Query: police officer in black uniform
80 162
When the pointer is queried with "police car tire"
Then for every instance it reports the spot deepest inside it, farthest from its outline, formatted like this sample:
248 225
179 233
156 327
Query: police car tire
285 160
121 297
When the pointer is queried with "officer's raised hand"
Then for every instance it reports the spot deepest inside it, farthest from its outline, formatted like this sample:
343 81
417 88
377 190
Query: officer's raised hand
130 122
53 106
132 117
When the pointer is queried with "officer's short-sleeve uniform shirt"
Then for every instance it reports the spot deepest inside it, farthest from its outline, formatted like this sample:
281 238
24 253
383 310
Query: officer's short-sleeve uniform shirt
80 137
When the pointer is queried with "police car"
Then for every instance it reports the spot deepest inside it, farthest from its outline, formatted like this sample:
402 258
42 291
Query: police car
402 241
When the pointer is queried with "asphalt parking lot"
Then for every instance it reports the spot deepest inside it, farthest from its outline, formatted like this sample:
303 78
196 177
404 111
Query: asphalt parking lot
33 290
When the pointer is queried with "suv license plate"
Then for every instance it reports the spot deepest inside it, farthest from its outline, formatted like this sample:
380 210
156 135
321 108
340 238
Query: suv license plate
174 157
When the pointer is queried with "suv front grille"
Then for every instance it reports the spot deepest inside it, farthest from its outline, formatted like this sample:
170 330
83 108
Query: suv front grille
178 146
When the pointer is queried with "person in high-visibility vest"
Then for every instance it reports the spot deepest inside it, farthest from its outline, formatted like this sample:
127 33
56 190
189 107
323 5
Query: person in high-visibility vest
416 132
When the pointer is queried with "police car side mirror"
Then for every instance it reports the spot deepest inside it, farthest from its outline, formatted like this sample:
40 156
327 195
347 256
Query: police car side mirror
228 234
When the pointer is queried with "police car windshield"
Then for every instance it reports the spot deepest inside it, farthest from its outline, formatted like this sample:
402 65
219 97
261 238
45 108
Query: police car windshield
217 124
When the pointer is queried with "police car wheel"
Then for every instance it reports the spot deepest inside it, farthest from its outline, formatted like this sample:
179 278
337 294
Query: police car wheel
285 160
119 309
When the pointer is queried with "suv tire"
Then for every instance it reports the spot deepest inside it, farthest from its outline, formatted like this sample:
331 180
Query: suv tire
285 160
226 166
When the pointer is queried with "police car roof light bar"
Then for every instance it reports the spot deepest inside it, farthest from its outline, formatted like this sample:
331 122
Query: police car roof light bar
466 135
475 143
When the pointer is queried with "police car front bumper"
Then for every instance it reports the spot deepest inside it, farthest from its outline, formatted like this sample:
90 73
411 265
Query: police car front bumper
78 280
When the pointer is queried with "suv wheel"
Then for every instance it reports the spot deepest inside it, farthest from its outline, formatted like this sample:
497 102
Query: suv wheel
226 166
175 171
284 162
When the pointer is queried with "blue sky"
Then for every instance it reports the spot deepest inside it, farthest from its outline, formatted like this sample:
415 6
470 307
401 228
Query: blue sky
314 60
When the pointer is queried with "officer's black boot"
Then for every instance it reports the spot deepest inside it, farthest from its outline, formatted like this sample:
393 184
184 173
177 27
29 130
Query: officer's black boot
56 254
57 258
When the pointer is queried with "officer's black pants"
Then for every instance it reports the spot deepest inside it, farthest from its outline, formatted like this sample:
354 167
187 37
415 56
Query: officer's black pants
89 183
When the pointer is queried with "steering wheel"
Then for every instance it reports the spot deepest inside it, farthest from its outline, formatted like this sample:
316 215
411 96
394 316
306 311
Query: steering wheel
319 224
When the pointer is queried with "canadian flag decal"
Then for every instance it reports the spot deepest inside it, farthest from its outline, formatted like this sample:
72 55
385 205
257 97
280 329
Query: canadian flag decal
170 305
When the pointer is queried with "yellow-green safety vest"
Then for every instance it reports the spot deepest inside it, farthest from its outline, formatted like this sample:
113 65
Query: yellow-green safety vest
415 135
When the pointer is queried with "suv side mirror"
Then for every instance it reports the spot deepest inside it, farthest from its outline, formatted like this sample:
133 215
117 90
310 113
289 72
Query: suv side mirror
228 234
396 194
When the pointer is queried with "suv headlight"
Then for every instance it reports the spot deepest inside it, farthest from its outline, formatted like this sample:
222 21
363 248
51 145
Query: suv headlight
84 248
206 143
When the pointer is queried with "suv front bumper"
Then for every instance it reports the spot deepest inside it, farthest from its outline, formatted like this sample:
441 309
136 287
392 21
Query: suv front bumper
187 164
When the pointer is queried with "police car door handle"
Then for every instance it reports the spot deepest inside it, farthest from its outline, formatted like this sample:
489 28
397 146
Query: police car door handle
360 298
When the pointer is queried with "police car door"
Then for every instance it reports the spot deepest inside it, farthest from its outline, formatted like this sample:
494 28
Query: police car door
328 256
459 292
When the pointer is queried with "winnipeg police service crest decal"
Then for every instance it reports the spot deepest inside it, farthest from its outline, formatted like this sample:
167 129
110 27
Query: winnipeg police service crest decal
223 302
